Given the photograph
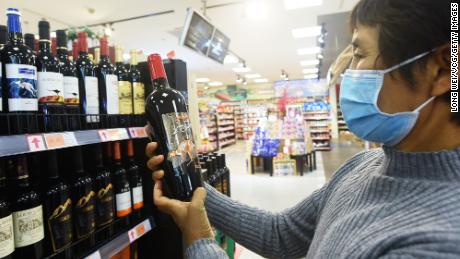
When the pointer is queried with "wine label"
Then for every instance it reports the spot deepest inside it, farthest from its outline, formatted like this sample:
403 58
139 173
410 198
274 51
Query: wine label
71 92
123 200
105 209
138 197
50 87
139 98
6 236
180 139
125 97
60 226
111 86
84 215
92 98
28 226
22 87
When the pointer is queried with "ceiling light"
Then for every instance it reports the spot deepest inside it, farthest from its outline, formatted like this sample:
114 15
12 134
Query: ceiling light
307 51
312 62
319 56
261 80
297 4
306 32
310 70
230 59
108 30
312 76
256 10
202 80
251 76
241 69
215 83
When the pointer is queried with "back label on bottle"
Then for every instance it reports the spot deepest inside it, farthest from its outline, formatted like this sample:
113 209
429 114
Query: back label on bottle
6 236
112 94
125 95
123 200
50 87
71 93
60 226
92 95
138 197
139 98
28 226
22 87
84 215
105 209
180 139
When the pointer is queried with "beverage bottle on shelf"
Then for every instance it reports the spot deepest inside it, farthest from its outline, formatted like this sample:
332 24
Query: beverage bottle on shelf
70 80
169 125
107 82
50 82
27 214
210 171
58 211
122 188
20 80
3 37
29 41
225 175
83 198
135 181
87 81
125 91
74 50
6 218
217 174
138 86
97 56
54 46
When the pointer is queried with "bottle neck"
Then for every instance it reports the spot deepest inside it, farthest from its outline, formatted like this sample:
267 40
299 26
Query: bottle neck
45 46
62 52
160 82
15 37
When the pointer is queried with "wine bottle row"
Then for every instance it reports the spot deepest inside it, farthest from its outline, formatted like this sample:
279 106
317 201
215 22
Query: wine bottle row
216 172
54 204
58 89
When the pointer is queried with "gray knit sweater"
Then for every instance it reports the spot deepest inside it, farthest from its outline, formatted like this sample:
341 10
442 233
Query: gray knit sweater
382 203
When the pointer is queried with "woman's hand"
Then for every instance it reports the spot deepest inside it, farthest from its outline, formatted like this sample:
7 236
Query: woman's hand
189 216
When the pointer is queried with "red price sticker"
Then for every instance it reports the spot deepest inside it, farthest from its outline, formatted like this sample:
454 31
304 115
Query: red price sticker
113 134
54 140
139 230
36 142
137 132
103 135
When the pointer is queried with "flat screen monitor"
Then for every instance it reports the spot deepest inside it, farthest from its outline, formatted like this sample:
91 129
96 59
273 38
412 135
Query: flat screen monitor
219 46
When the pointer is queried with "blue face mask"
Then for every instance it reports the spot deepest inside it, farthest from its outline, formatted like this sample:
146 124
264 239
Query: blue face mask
359 93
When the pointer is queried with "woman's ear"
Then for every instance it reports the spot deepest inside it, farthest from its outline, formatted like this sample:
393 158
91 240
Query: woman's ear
439 67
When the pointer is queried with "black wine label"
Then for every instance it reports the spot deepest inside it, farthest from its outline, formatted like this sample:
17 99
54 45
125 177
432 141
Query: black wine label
105 208
60 226
84 215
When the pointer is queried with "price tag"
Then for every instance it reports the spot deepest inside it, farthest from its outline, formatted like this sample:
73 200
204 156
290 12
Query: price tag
36 142
60 140
137 132
139 230
103 135
95 255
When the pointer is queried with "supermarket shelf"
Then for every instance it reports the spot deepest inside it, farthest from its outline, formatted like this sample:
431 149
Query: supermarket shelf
123 240
226 124
342 122
320 139
226 129
316 112
319 126
229 135
319 131
27 143
226 143
323 148
316 119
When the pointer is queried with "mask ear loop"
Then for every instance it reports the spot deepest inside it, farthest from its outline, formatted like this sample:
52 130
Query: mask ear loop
419 56
425 104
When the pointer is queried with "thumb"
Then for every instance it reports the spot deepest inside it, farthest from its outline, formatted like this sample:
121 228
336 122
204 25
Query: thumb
199 196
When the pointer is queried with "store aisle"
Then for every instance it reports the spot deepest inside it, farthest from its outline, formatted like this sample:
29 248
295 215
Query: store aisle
265 192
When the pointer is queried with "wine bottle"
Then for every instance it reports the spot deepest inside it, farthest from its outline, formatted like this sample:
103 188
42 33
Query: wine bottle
107 82
6 218
170 126
135 181
70 80
75 50
87 81
97 56
21 76
50 82
3 37
58 211
125 92
225 175
54 46
83 198
122 188
138 86
27 214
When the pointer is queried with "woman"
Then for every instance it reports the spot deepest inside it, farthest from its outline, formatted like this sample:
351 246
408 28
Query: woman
400 201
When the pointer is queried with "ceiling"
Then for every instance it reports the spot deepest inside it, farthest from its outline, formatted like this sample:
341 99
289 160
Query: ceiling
265 43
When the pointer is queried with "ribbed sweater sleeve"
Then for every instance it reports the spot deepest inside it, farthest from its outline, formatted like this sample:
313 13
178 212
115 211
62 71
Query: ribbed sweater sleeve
203 249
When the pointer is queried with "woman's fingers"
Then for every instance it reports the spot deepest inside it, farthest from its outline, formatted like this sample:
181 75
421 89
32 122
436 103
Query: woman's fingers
157 175
170 206
154 162
150 149
199 196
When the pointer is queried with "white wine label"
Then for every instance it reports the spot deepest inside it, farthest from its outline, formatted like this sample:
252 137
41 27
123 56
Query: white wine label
125 97
6 236
71 93
123 201
112 94
28 226
92 98
138 197
22 87
50 87
139 98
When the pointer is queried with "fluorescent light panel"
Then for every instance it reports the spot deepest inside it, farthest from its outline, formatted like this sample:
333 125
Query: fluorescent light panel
297 4
310 70
251 76
215 83
261 80
308 51
241 69
306 32
311 62
230 59
202 80
312 76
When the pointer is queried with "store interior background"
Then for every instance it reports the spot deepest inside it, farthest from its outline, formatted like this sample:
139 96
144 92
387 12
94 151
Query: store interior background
261 34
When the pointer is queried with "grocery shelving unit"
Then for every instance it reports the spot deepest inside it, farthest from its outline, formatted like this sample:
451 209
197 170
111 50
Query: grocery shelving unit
209 123
225 121
319 123
342 125
247 119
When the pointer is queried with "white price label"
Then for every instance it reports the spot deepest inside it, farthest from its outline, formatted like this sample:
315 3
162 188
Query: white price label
60 140
137 132
139 230
95 255
36 142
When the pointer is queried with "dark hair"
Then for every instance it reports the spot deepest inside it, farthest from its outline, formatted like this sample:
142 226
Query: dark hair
406 28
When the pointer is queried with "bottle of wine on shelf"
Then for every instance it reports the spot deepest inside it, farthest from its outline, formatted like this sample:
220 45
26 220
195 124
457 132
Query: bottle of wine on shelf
83 198
20 76
125 91
27 214
6 219
3 37
225 175
97 56
138 86
87 81
169 125
74 50
70 80
54 46
122 188
58 211
50 82
107 81
29 41
135 181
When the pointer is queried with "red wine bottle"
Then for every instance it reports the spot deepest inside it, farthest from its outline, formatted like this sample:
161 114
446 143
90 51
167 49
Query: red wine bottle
3 37
125 89
6 218
135 181
169 124
50 82
107 82
122 188
29 41
138 85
